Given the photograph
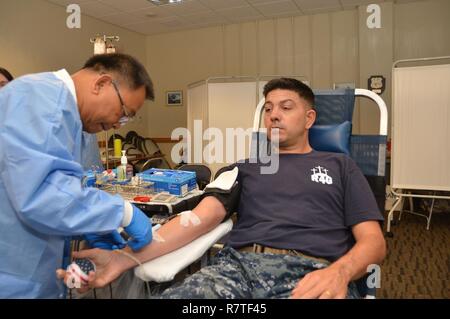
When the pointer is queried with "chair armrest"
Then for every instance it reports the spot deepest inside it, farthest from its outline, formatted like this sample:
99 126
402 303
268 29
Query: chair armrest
164 268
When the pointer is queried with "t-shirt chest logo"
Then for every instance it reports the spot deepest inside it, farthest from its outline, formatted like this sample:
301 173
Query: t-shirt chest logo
320 175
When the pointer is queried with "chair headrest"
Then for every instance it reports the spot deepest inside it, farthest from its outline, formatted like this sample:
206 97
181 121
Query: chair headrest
331 138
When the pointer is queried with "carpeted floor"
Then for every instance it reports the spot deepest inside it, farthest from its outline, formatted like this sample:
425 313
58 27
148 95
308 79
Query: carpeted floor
418 260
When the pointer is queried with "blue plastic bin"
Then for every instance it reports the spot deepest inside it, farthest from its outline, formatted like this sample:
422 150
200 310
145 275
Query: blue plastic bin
175 182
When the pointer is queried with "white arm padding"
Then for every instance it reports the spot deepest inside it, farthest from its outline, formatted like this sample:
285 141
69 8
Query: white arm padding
164 268
224 181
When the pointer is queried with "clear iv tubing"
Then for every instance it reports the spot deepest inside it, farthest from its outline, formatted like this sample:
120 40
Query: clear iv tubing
136 261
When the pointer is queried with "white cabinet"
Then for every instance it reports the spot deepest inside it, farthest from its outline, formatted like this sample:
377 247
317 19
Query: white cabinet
220 117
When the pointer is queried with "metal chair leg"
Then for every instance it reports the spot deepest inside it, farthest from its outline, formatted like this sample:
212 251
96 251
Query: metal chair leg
391 216
431 213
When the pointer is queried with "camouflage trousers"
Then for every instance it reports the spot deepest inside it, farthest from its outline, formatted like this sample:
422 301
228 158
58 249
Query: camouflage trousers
247 275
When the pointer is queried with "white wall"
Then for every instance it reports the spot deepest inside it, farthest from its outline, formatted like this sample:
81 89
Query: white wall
328 48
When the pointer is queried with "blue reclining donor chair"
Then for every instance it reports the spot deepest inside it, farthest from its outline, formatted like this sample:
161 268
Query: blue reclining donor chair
335 111
334 115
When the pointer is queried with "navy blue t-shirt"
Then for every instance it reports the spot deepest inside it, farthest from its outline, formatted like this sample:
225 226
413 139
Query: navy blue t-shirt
309 205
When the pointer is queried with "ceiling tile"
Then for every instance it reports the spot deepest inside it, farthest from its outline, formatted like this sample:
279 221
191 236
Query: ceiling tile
152 13
186 7
128 5
206 18
122 19
259 1
352 4
314 5
275 8
97 9
238 14
223 4
174 22
407 1
67 2
358 2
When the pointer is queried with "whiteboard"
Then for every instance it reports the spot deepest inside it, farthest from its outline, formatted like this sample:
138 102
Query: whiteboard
420 157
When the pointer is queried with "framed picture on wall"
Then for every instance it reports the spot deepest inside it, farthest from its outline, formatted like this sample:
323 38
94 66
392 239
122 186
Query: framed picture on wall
174 98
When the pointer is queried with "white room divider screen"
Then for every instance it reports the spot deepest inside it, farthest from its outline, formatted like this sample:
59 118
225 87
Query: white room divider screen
420 158
421 128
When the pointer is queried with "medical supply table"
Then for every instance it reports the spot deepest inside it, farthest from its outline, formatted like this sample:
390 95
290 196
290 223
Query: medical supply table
161 206
161 210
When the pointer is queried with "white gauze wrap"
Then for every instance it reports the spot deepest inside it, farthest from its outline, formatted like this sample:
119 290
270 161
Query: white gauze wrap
187 217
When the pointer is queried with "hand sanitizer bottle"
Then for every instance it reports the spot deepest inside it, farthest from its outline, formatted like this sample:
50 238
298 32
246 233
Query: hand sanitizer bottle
122 169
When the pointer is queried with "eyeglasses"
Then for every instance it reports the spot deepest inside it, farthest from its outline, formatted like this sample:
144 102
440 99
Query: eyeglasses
129 116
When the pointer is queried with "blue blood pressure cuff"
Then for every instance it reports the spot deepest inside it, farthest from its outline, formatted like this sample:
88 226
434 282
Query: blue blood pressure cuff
226 189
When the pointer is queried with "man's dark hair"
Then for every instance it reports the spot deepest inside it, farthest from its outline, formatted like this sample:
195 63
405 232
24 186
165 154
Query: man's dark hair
290 84
130 70
6 74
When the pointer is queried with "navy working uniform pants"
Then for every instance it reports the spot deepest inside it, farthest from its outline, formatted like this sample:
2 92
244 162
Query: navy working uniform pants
235 274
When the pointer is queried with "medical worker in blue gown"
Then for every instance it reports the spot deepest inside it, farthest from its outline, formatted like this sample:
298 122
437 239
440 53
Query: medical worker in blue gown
42 201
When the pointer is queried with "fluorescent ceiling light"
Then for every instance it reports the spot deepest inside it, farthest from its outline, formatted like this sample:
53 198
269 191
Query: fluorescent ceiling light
161 2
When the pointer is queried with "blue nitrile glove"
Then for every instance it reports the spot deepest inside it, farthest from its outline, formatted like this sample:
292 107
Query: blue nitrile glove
109 241
139 229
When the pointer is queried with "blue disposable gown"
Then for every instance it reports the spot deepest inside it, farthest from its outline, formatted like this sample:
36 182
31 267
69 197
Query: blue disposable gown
90 153
42 201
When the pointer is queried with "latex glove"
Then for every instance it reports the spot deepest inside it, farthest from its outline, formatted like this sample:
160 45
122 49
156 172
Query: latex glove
109 241
139 229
